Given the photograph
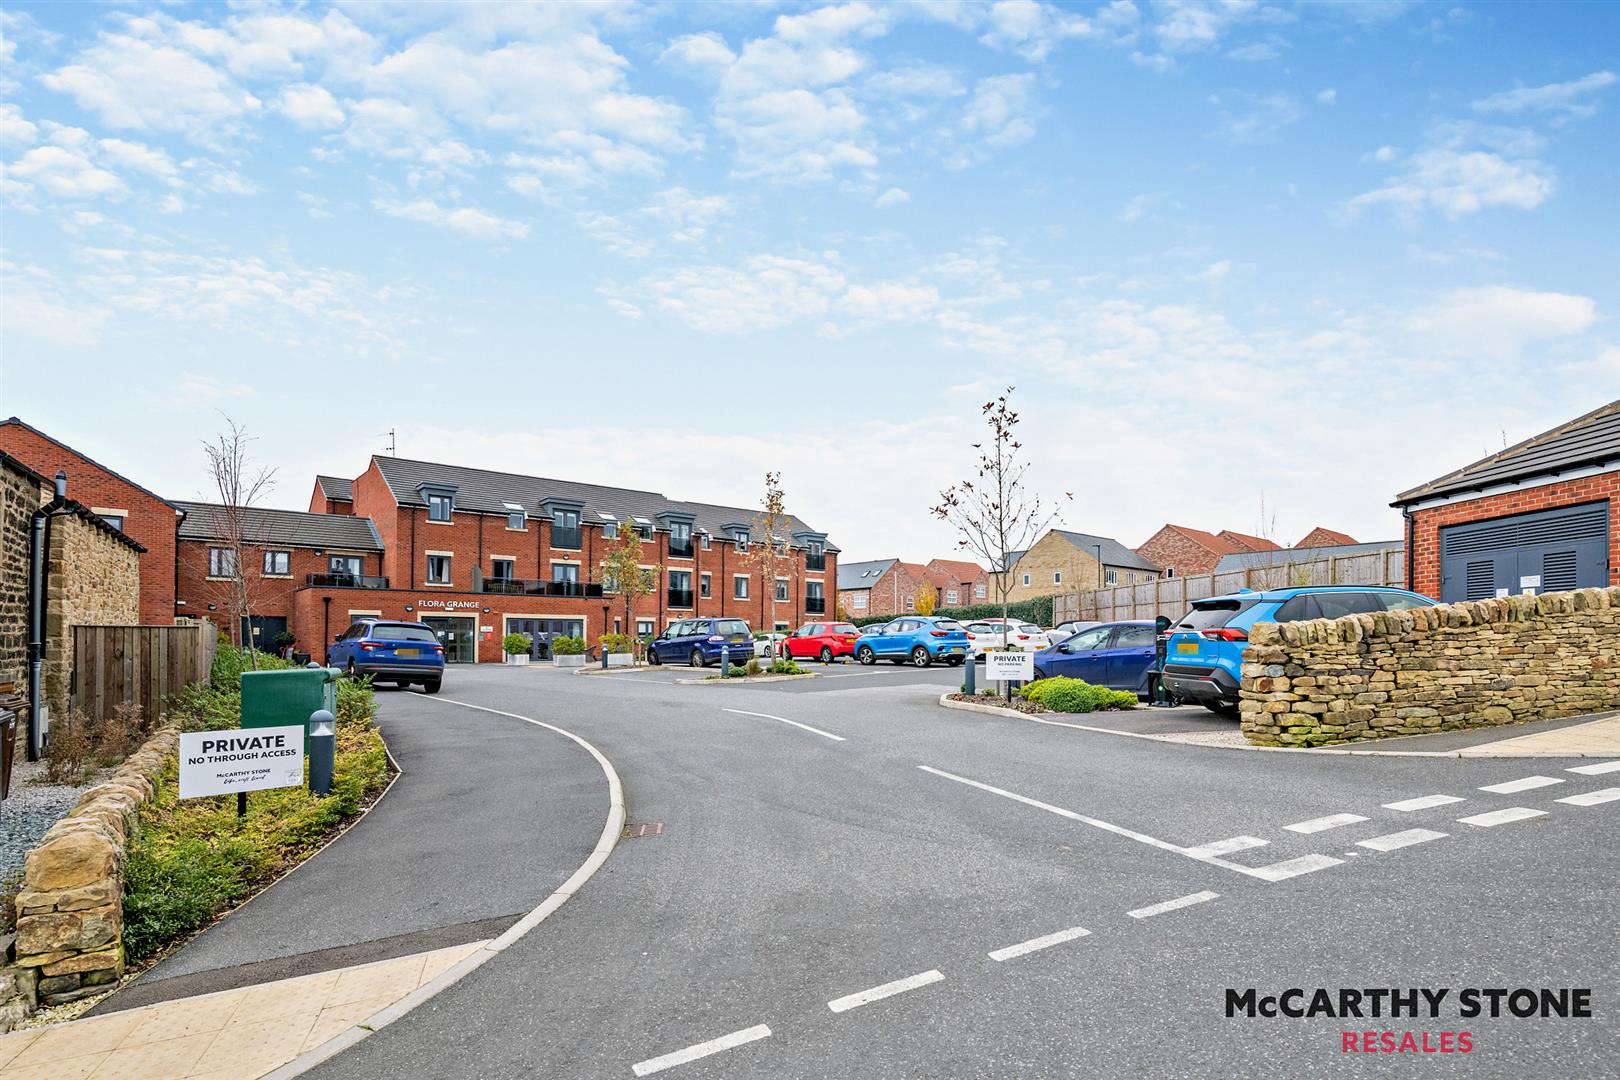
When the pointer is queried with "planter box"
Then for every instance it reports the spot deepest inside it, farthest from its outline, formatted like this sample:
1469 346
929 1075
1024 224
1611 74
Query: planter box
621 659
577 660
519 659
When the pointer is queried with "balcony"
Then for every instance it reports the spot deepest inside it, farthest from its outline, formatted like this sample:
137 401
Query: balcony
681 598
565 538
533 587
817 563
345 581
679 549
815 605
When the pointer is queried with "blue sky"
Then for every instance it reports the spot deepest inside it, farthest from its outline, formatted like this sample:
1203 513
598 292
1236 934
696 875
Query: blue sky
1308 255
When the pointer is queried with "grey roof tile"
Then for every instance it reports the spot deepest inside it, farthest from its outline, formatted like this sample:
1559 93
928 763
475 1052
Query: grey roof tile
862 575
335 487
291 528
1593 439
1114 553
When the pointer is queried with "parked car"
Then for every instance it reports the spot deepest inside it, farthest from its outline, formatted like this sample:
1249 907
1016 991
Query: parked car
697 642
922 639
821 641
1065 630
1116 655
987 634
398 652
767 646
1204 651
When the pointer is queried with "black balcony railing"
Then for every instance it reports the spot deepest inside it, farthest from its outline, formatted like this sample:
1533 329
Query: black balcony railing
680 597
815 605
680 549
565 538
345 581
533 587
815 562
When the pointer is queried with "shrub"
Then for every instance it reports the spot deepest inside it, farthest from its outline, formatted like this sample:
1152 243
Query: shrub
567 646
736 672
169 893
67 755
617 643
230 662
753 666
786 667
514 644
286 638
1075 695
120 735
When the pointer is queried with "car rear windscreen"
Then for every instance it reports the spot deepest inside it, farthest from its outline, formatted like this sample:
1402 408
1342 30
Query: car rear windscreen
1030 628
731 626
947 624
402 633
844 628
1209 614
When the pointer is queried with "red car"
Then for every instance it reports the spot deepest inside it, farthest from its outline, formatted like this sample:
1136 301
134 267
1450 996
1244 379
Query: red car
821 641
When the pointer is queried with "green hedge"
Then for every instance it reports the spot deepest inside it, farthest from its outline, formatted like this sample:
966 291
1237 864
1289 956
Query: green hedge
1037 610
1075 695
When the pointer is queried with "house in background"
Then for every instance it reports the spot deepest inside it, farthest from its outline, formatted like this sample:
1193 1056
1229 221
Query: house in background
1063 561
1536 517
959 582
1180 550
880 587
1322 537
332 495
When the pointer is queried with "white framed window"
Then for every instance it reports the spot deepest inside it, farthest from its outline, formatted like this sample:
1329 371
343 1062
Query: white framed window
516 519
1026 579
978 592
781 627
858 601
739 537
1130 577
277 563
221 562
703 541
781 588
739 586
438 569
501 567
950 596
439 507
1169 571
644 627
610 530
911 603
1057 577
1111 577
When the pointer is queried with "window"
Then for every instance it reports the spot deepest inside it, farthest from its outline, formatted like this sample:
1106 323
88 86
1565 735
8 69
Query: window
500 569
348 565
277 563
978 592
739 537
644 627
610 530
1130 578
703 585
703 541
649 578
438 569
680 588
781 588
1026 579
1111 577
115 520
1090 639
858 602
680 540
1134 637
731 627
644 529
781 627
221 562
516 519
1057 577
565 529
1169 571
815 599
739 586
385 632
911 603
950 596
565 572
439 507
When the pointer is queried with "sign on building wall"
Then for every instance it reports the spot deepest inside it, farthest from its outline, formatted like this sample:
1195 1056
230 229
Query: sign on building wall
227 762
1002 666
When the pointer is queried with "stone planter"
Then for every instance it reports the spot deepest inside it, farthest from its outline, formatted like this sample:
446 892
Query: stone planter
519 659
621 659
577 660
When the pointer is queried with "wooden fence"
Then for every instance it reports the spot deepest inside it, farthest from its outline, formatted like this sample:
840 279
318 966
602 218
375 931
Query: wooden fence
1172 597
140 664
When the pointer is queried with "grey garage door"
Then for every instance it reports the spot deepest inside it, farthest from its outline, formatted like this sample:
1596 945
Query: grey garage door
1547 551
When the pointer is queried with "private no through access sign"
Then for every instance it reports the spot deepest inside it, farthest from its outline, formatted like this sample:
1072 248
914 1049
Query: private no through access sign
227 762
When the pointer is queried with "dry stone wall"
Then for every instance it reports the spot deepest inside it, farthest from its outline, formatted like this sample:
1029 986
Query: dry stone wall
1476 664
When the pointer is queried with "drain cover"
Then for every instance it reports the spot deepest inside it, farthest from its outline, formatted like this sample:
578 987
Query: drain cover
645 828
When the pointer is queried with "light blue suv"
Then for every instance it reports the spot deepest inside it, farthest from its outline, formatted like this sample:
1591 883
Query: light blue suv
1204 655
921 639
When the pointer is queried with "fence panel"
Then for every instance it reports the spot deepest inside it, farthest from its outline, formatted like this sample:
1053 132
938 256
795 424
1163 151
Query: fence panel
144 665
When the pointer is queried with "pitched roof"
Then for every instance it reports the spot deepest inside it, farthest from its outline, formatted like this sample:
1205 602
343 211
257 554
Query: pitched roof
1114 553
862 575
52 439
335 487
945 572
1243 560
1328 536
1207 540
1245 542
1586 441
488 492
292 528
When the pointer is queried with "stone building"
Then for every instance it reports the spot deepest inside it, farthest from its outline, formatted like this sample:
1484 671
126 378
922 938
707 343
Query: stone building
1063 561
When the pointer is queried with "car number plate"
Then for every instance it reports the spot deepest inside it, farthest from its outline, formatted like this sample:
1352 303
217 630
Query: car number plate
1186 647
407 652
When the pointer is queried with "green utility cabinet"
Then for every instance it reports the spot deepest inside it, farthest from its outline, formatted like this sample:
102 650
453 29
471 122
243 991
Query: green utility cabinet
284 698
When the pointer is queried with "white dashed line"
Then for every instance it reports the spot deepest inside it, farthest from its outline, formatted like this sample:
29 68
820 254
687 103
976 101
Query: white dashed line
1394 840
1596 770
1502 817
1322 824
1282 871
785 720
1172 905
1529 783
878 993
1592 798
1036 944
701 1050
1226 847
1423 803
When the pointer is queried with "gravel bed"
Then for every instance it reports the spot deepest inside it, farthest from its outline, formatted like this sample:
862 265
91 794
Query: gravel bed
31 808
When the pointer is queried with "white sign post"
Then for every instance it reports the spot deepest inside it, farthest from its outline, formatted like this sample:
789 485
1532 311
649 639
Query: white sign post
1006 666
232 762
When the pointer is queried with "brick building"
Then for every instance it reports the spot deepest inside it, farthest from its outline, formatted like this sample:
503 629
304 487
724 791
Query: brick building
148 519
882 587
1181 550
1536 517
332 495
1324 537
959 582
1062 561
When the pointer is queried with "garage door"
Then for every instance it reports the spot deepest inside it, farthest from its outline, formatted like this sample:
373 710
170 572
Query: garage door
1548 551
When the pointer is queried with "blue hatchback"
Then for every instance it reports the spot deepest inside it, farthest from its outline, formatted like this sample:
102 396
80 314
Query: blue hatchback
921 639
1116 655
1204 654
698 641
397 652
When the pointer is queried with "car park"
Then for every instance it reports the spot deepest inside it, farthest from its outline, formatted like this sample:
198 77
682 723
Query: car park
821 641
985 635
698 642
921 639
1204 648
1116 655
401 653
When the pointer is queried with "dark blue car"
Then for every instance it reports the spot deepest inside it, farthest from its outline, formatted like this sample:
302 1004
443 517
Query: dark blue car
398 652
698 641
1116 655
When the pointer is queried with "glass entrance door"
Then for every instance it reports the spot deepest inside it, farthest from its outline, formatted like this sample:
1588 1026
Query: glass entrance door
541 631
456 634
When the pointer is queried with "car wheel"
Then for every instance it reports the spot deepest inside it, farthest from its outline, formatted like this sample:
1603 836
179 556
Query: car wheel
696 659
920 657
652 658
1039 674
350 671
431 686
826 655
1221 708
955 661
865 655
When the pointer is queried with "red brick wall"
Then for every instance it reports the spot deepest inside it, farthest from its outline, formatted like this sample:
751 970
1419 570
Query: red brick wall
1423 551
1171 548
1320 537
321 503
889 593
270 596
151 521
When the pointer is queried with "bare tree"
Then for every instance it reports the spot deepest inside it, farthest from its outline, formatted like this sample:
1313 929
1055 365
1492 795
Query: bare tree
772 522
238 486
995 513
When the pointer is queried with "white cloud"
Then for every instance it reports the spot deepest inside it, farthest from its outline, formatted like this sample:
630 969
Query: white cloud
892 197
66 173
14 128
1214 273
1031 29
228 182
1141 206
706 52
310 106
1248 119
765 293
1000 113
466 220
1499 321
1329 96
1573 97
688 215
141 158
1459 182
193 391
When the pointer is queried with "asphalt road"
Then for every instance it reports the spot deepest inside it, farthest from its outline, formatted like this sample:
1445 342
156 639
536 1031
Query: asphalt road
897 890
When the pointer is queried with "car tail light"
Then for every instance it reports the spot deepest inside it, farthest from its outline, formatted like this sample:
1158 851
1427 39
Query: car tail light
439 649
939 633
1226 633
369 646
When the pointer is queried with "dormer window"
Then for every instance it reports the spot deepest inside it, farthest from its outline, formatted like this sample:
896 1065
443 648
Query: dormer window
703 541
516 519
740 538
644 529
439 506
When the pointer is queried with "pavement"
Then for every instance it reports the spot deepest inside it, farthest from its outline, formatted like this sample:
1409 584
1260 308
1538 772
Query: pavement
838 878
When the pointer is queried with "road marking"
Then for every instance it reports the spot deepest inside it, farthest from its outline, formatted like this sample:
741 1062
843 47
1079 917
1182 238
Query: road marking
1502 817
1394 840
1282 871
785 720
701 1050
1527 784
1322 824
1592 798
1408 805
1171 905
1596 770
878 993
1227 846
1037 944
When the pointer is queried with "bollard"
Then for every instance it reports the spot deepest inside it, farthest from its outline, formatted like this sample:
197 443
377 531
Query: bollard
971 673
322 751
725 661
603 646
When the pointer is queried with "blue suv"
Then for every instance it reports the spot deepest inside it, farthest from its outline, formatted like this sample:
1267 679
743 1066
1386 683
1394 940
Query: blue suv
1204 654
697 642
922 639
397 652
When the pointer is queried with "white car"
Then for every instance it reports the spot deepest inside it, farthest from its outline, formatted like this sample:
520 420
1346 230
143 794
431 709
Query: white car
768 646
986 635
1065 630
